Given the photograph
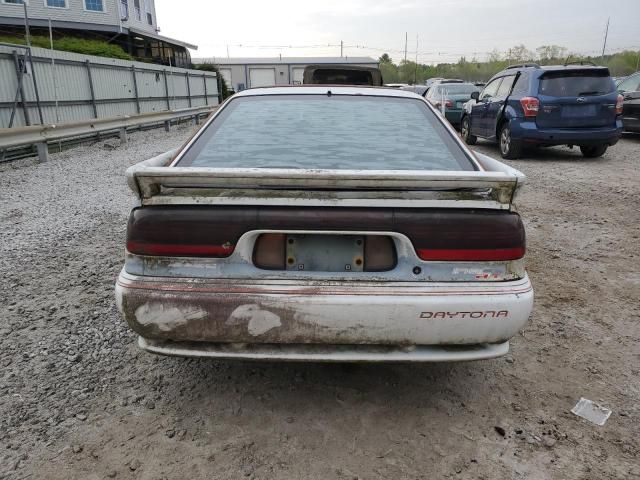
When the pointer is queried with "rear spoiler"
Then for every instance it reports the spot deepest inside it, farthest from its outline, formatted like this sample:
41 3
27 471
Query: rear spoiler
156 183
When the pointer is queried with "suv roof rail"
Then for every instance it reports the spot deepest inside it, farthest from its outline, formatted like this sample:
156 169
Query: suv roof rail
523 65
580 62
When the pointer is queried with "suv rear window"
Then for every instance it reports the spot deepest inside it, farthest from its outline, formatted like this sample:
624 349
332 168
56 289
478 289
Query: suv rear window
576 83
337 132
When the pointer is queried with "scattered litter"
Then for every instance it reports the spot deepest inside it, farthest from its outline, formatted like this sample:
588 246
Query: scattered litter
591 411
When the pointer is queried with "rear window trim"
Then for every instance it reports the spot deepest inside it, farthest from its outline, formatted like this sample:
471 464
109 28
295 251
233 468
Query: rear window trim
451 139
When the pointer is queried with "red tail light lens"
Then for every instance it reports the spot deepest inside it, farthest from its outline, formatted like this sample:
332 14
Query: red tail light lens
447 104
530 105
454 235
185 232
466 236
178 250
619 105
472 255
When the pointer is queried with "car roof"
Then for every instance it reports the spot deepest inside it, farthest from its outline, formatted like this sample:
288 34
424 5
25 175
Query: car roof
545 69
449 84
548 68
325 89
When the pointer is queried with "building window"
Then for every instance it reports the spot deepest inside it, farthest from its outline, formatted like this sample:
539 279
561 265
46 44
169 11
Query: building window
94 5
57 3
124 9
13 2
136 7
148 11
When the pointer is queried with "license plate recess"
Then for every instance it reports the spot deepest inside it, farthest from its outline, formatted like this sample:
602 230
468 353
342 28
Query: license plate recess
325 253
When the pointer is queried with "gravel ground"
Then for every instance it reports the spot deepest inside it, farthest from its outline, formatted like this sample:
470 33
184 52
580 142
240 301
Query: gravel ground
78 400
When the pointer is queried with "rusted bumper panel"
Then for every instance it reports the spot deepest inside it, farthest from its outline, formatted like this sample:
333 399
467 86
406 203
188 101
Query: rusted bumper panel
337 313
325 353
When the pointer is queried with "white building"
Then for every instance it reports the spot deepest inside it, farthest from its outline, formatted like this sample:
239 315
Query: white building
241 73
130 23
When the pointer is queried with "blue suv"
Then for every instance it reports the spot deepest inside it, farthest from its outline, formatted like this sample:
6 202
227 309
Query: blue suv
530 105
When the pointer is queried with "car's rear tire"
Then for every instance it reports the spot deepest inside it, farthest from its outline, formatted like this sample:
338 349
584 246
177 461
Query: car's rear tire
594 151
465 131
510 148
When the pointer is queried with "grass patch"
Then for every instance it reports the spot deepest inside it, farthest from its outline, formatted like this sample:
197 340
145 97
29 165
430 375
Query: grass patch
75 45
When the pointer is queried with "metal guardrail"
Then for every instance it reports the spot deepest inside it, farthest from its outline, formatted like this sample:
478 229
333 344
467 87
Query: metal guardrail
39 135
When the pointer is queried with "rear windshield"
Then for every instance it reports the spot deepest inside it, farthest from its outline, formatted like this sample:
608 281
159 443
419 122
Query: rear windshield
327 132
457 89
568 83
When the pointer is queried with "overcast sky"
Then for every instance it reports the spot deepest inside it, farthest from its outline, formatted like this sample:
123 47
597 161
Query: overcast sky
446 29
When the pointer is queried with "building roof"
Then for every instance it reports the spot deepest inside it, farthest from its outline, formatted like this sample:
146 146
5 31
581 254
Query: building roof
287 60
155 36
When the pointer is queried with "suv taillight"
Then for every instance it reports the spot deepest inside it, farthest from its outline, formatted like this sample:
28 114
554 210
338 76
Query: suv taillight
619 105
530 105
447 104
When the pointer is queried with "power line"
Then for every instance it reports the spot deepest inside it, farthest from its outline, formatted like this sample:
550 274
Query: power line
431 56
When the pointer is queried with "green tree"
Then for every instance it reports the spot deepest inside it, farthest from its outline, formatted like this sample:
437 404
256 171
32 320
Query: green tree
210 67
520 53
619 64
549 53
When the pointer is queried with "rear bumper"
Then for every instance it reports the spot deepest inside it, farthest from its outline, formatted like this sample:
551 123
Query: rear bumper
328 314
454 116
631 124
529 132
324 353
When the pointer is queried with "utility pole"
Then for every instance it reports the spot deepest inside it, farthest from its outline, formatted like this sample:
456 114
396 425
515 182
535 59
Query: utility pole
26 24
341 47
406 39
606 35
53 71
415 73
227 50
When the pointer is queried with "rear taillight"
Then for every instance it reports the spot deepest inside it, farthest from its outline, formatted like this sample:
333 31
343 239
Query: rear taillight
530 105
466 236
471 254
447 104
185 232
619 105
179 250
454 235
